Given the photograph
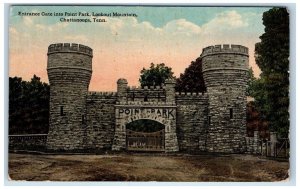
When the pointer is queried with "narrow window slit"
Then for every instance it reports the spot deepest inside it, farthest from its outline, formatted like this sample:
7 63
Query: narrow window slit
61 110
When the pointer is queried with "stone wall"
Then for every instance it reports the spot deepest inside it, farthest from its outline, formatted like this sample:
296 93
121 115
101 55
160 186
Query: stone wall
191 121
100 119
253 144
27 142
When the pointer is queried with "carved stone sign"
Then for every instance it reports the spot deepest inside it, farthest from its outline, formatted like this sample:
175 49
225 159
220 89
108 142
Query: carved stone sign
168 113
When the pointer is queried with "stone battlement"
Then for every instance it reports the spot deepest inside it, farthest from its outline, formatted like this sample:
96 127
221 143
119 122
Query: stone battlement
155 103
105 94
187 94
217 49
67 47
156 87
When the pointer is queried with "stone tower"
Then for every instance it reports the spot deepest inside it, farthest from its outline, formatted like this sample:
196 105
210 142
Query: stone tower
69 71
225 72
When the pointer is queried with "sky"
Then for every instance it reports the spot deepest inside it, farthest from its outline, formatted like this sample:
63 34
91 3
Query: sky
122 46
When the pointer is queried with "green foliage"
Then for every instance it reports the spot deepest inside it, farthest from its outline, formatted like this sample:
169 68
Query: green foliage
254 122
145 125
155 75
272 56
28 106
192 78
251 83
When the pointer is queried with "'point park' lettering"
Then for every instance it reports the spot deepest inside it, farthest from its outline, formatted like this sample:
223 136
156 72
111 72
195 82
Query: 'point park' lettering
160 112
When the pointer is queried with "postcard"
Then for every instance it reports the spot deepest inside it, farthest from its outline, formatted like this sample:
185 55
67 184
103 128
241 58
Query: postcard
149 93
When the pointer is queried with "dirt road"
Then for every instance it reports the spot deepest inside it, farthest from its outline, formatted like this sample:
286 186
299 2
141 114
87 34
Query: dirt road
145 167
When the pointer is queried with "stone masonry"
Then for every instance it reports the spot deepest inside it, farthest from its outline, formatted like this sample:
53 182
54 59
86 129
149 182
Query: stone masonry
225 72
214 121
69 72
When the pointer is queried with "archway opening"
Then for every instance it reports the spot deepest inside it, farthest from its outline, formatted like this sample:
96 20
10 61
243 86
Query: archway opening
145 125
145 135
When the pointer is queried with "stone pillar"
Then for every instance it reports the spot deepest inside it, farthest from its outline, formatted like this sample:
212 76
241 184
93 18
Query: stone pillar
122 86
273 140
256 142
171 141
119 142
170 90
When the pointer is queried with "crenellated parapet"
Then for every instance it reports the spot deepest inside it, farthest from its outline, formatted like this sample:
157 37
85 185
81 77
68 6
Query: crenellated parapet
142 88
221 49
70 47
93 95
74 59
146 104
146 94
127 93
145 90
190 97
225 65
190 94
106 93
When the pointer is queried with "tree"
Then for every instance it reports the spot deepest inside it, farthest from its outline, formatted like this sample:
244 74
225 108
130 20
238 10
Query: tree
28 106
272 57
155 75
251 82
254 122
192 78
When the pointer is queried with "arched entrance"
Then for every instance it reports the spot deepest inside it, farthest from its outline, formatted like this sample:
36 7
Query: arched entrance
145 135
127 113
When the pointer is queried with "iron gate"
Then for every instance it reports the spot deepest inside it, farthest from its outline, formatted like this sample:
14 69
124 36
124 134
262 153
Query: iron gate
280 148
144 141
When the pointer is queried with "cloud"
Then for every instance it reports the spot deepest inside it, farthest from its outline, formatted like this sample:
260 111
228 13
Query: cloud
115 25
40 27
181 27
128 29
228 20
123 46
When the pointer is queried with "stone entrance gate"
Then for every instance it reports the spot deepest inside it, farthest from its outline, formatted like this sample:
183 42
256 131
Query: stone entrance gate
213 121
160 112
